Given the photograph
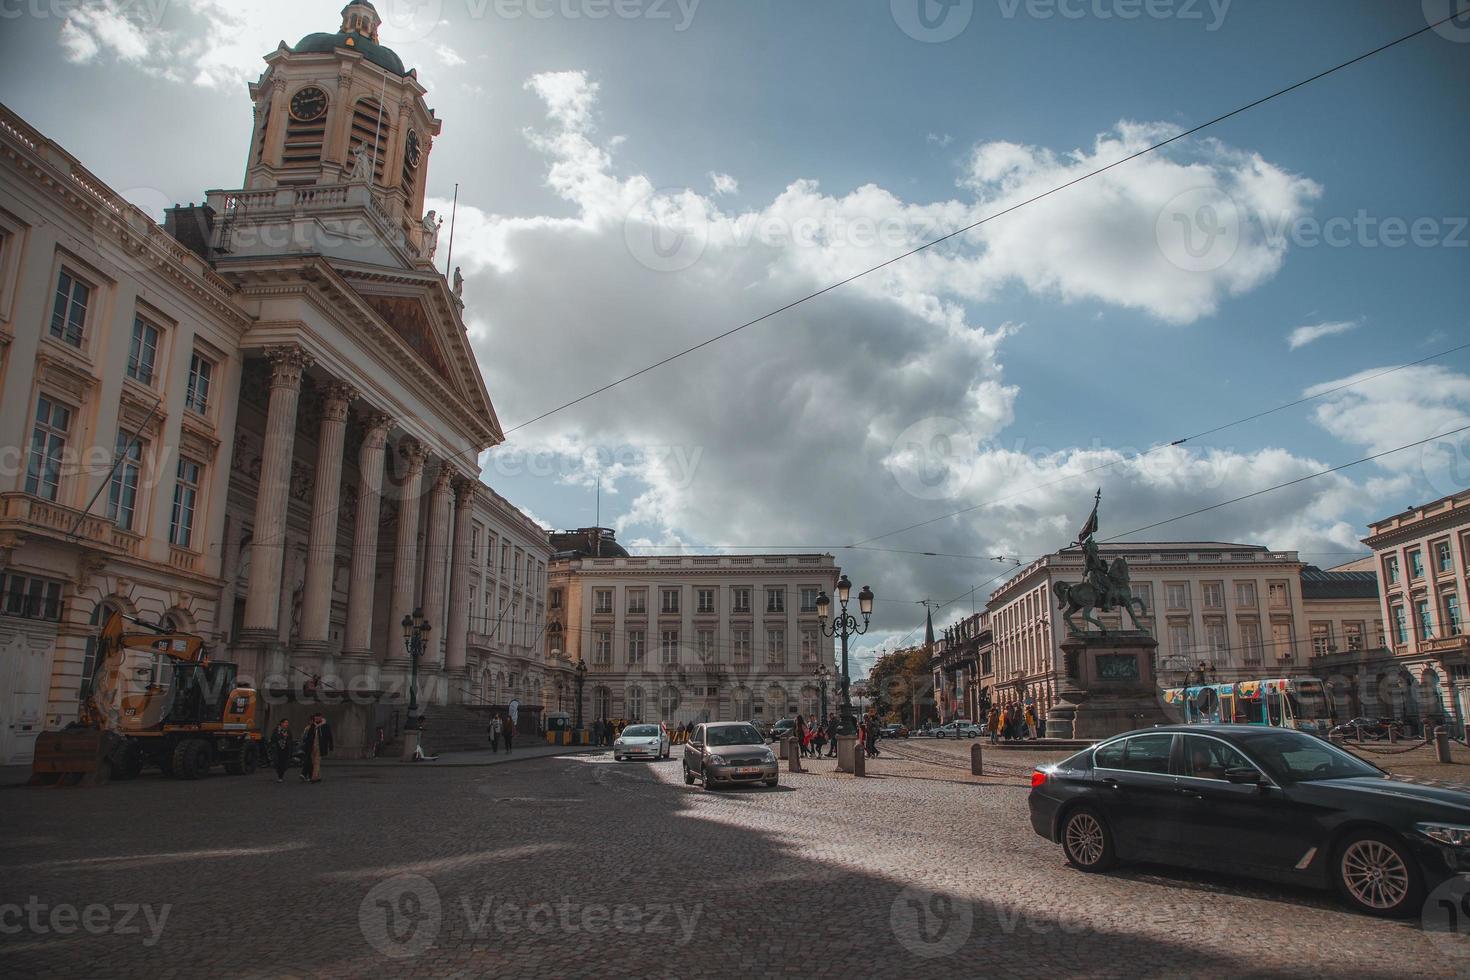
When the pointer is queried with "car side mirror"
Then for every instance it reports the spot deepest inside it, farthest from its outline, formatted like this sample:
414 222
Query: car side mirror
1243 775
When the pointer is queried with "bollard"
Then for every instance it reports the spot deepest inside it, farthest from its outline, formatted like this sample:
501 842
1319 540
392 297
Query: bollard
1393 735
793 755
1441 743
977 760
859 760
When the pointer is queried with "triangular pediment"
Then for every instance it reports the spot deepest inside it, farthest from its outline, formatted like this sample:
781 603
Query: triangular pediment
411 322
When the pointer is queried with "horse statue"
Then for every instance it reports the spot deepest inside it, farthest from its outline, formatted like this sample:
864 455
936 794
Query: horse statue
1104 588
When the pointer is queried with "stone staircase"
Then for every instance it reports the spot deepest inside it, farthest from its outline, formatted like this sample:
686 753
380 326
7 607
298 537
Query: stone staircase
456 728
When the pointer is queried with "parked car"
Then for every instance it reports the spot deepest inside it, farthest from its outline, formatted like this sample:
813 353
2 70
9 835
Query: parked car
1265 802
958 729
895 731
641 741
785 728
728 752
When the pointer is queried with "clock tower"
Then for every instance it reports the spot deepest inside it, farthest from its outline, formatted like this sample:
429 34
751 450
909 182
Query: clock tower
340 109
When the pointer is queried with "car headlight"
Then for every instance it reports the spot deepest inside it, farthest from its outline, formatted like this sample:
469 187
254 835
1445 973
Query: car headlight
1456 835
717 760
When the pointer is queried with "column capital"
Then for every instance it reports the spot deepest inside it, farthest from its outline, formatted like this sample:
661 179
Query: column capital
375 428
287 364
337 396
444 479
413 453
464 492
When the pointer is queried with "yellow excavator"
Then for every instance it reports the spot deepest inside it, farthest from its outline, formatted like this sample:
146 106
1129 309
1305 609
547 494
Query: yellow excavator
185 725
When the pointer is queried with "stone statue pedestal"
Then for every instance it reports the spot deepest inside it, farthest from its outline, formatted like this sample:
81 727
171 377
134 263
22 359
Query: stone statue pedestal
1109 686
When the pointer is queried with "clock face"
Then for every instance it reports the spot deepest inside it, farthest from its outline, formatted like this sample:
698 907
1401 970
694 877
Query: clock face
415 148
309 104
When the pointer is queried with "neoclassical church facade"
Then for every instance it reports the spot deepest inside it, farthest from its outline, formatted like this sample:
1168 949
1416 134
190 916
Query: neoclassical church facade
260 421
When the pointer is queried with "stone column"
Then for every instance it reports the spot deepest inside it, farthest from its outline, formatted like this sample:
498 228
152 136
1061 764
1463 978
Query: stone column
458 627
321 548
267 548
406 554
358 638
436 560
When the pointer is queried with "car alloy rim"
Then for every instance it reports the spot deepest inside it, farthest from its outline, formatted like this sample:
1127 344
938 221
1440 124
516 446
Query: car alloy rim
1375 874
1084 839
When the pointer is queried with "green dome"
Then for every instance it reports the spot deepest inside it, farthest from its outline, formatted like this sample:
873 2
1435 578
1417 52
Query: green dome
383 57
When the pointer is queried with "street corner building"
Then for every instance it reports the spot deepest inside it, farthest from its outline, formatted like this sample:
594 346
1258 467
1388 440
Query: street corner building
690 638
260 421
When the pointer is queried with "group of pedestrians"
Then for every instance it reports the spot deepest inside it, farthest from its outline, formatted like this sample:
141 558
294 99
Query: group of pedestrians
1015 722
315 744
606 730
500 730
817 739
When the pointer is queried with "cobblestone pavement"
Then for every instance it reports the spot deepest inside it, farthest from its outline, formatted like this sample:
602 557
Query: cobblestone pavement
578 866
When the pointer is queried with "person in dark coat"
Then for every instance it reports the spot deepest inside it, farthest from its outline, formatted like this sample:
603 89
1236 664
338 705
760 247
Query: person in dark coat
507 730
280 747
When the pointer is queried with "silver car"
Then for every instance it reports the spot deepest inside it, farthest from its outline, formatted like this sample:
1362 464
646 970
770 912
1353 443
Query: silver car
641 742
728 752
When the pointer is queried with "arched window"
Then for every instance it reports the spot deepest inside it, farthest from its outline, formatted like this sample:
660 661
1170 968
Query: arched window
741 701
635 703
99 618
668 702
601 703
775 702
811 702
370 129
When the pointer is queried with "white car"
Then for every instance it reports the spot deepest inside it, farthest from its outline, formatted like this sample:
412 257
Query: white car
958 729
642 742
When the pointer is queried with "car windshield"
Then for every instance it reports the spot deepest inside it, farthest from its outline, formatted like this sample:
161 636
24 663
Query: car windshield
641 731
1294 758
735 735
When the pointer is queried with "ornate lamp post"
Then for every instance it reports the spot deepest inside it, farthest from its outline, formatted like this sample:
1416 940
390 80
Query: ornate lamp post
415 632
581 681
821 674
844 624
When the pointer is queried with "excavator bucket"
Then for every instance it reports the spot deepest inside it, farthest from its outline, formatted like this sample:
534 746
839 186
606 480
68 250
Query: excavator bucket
75 757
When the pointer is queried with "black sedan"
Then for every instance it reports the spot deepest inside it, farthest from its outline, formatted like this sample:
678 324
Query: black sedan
1265 802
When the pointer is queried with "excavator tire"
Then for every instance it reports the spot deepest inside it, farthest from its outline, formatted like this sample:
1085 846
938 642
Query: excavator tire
191 759
246 762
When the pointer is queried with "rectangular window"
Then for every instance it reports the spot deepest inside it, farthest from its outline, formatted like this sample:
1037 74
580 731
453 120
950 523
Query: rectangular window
668 652
30 598
504 559
668 601
809 599
556 598
201 375
1278 595
1250 641
1245 594
1353 634
637 647
776 647
1215 639
1416 564
1442 556
1283 643
69 312
1180 644
48 447
1426 619
1177 594
740 644
474 543
1321 639
741 599
602 602
1391 570
1452 614
704 644
1213 594
811 646
143 352
603 651
706 600
775 600
1400 626
122 491
186 497
1145 591
638 602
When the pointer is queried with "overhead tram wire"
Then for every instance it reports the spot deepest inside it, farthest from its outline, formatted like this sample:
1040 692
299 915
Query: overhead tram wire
930 244
972 226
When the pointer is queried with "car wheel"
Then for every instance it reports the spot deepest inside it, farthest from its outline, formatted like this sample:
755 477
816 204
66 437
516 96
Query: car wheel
1376 875
773 782
1087 842
709 783
688 776
617 758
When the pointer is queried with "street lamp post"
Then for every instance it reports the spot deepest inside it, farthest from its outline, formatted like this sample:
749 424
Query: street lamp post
415 633
821 674
844 624
581 680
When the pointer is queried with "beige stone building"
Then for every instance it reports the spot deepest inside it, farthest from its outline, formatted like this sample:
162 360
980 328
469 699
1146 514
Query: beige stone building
690 638
1243 611
261 421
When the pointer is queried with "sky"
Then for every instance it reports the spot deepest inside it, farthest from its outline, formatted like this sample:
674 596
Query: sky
638 176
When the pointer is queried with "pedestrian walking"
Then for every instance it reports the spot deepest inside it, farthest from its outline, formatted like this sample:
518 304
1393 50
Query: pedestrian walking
1030 723
832 736
507 729
280 746
311 753
493 730
798 732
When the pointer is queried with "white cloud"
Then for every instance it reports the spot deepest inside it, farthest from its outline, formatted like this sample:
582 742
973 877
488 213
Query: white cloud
448 55
1304 335
723 183
105 26
940 141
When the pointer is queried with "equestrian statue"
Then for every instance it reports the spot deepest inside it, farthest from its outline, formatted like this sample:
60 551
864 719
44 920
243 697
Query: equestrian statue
1106 586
